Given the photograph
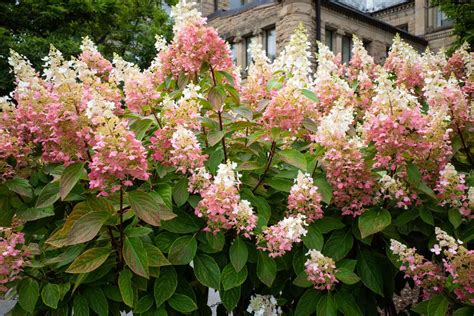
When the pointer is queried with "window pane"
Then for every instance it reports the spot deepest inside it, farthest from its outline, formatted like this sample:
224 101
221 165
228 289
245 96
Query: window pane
248 56
270 44
235 4
233 51
329 38
346 49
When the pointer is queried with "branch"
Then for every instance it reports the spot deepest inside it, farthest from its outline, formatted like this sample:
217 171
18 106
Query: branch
267 167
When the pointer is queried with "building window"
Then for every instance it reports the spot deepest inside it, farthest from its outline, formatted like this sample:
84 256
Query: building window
441 19
248 56
233 52
329 34
403 27
270 43
346 48
216 5
234 4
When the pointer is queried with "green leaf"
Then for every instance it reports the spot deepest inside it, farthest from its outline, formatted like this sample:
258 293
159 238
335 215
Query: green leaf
80 305
135 256
165 285
207 271
155 257
144 304
274 84
20 186
414 175
266 269
86 227
339 244
89 260
347 276
238 254
370 272
180 192
326 305
182 303
231 278
145 206
6 215
324 188
125 286
327 224
137 231
32 214
455 217
183 223
406 217
48 195
310 95
373 221
301 280
307 303
139 127
230 298
214 136
71 175
464 311
50 295
347 304
426 216
97 300
314 238
28 294
182 250
294 158
438 306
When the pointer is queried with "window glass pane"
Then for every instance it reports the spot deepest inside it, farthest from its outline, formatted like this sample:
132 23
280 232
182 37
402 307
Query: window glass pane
233 51
270 44
248 56
346 49
329 38
235 3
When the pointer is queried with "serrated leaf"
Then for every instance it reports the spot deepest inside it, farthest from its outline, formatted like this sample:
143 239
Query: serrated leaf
231 278
165 285
86 227
373 221
51 295
182 303
182 250
238 254
266 269
294 158
135 256
71 175
145 206
207 271
48 195
125 286
89 260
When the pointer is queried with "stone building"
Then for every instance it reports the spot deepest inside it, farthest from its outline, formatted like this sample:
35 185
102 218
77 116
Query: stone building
375 22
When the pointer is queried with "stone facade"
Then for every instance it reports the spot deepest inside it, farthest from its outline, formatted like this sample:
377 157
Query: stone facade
414 20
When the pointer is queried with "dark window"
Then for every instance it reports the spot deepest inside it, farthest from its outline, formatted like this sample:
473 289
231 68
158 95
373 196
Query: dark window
238 3
403 27
248 56
233 51
329 34
270 43
346 48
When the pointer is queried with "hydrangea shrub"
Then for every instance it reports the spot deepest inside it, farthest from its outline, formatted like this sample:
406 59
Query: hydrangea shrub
342 190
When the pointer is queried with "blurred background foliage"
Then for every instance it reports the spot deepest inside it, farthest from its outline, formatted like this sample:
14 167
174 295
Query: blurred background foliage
127 27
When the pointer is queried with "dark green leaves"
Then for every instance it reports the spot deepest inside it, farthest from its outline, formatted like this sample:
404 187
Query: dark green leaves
339 244
215 137
20 186
307 303
231 278
145 206
370 272
48 195
135 256
373 221
230 298
182 250
207 271
51 295
28 293
314 238
87 227
294 158
165 285
71 175
180 192
438 306
347 276
125 286
326 305
238 254
182 303
266 269
89 260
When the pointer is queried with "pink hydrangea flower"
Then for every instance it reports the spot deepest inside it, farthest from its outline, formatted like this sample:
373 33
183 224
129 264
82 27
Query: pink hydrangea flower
320 270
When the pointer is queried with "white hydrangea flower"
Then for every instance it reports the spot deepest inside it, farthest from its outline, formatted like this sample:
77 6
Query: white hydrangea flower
99 110
226 176
294 226
243 209
337 123
446 241
263 305
88 45
185 13
184 138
